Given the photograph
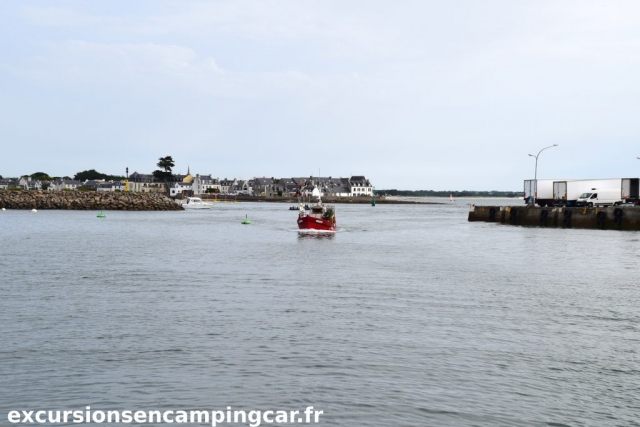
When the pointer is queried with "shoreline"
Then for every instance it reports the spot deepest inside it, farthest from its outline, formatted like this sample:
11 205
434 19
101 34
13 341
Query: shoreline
333 200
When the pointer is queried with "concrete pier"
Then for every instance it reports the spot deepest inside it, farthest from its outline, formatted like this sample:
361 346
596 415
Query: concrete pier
609 218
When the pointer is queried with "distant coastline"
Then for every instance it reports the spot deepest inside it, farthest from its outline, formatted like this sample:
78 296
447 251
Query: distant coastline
455 194
311 200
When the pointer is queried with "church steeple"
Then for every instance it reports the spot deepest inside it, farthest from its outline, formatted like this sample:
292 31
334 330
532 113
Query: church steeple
188 178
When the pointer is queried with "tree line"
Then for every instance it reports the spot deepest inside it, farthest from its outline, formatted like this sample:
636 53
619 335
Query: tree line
164 174
80 176
165 163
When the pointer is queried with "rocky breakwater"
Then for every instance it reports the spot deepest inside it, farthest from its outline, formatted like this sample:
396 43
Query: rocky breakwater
89 200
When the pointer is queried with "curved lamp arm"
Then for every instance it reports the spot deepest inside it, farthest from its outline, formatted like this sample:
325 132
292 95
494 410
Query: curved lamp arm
551 146
535 176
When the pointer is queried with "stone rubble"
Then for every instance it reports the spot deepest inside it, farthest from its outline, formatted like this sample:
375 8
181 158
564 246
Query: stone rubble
86 200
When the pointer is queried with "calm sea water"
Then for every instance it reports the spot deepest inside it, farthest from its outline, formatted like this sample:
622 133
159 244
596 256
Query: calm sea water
407 316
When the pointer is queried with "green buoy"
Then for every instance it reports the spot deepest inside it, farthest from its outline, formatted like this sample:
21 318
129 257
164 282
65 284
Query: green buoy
246 220
101 215
373 202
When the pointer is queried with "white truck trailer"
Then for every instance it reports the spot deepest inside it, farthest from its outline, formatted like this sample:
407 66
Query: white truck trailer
630 190
567 193
544 195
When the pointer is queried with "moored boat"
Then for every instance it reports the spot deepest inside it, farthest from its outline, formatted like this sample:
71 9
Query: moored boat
196 203
295 208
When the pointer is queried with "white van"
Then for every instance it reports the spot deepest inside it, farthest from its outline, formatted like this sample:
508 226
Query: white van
600 198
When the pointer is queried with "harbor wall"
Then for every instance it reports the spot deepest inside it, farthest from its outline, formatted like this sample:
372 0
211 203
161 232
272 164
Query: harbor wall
607 218
89 200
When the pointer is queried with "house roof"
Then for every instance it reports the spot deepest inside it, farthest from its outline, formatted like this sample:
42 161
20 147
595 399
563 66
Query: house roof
262 181
140 177
361 180
205 179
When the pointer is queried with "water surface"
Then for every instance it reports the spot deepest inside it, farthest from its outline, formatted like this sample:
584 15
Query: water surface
407 316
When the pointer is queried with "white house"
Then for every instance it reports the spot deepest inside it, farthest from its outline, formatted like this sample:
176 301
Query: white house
179 188
202 183
30 184
64 184
145 183
111 186
360 186
226 185
243 187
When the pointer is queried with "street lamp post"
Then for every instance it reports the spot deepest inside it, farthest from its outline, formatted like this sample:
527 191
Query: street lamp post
535 175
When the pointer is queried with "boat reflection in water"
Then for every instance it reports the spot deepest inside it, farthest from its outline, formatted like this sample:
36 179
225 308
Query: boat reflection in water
315 234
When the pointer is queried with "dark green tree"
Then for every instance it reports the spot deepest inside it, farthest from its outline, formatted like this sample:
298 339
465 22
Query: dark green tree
41 176
94 174
166 164
88 174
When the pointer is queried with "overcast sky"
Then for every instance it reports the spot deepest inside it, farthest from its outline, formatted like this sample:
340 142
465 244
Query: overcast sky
444 95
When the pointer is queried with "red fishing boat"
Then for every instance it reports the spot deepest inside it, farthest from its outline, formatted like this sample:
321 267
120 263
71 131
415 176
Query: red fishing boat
320 217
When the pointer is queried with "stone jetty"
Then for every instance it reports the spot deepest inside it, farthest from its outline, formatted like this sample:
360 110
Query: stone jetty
626 217
86 200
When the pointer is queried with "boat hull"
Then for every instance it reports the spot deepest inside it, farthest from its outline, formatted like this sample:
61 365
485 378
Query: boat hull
308 222
186 206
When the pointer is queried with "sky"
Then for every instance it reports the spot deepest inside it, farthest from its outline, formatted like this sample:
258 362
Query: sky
441 95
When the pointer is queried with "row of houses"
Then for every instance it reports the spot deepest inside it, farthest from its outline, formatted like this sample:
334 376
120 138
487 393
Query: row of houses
330 186
26 183
259 186
206 184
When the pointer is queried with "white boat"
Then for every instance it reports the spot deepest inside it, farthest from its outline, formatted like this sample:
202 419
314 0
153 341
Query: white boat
196 203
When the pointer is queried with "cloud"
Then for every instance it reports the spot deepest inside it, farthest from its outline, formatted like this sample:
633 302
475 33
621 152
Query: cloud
172 69
431 84
65 17
333 28
118 64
